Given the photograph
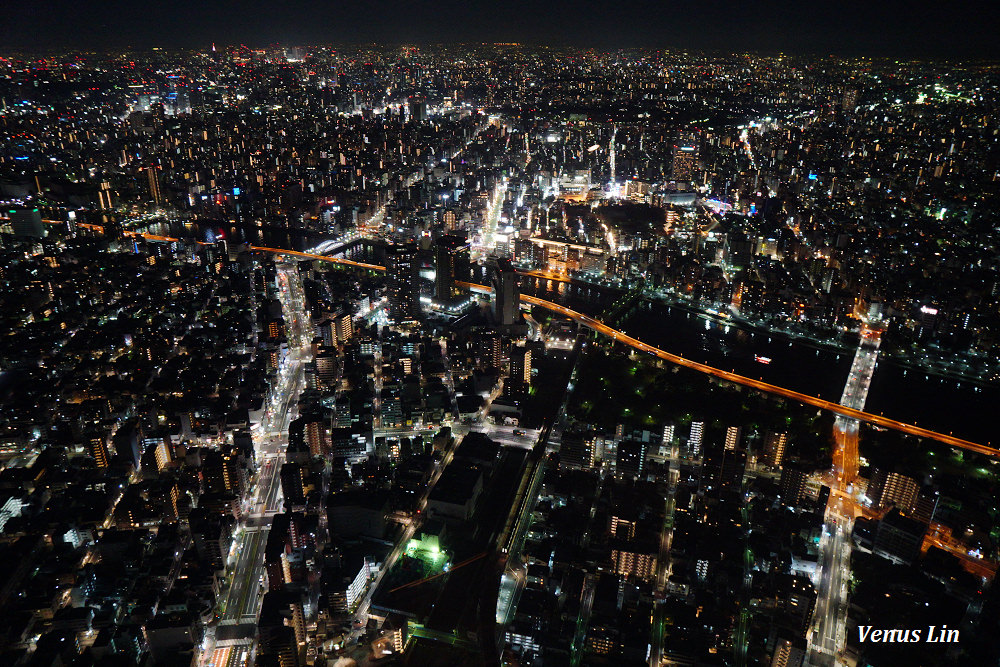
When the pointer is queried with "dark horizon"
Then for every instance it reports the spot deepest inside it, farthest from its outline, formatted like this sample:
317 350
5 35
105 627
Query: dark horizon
855 29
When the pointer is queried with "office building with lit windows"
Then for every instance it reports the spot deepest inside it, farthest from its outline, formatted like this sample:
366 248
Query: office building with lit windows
402 282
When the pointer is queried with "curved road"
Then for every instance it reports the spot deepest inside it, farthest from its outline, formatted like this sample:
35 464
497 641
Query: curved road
823 404
735 378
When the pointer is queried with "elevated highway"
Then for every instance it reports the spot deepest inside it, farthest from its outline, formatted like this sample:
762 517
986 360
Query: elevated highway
735 378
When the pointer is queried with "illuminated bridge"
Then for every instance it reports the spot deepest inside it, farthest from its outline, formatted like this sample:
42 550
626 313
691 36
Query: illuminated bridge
637 344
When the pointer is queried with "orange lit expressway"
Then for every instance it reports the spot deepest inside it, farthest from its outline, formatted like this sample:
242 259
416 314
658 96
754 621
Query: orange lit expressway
547 275
836 408
322 258
151 237
81 225
728 376
159 239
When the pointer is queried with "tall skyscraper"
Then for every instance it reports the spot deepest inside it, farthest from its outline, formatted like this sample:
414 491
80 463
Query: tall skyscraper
849 100
404 289
685 161
154 185
451 263
506 298
104 200
612 167
418 110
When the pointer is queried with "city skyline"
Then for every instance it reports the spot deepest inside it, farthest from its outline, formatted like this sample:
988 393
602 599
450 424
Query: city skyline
894 29
497 354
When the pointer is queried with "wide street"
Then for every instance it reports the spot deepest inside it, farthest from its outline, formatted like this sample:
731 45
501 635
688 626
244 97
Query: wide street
240 602
622 337
830 615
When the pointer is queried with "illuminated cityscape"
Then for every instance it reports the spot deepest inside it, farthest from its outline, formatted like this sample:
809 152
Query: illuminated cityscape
497 354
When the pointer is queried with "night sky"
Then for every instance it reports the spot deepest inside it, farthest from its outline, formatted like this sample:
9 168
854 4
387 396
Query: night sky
877 28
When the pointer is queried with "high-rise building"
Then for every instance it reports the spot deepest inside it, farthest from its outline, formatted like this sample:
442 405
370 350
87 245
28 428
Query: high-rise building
520 364
685 162
733 437
153 178
223 472
795 599
291 483
281 630
694 440
631 459
738 250
789 653
327 332
793 485
892 489
506 298
926 507
26 223
899 538
733 469
404 288
316 433
234 472
104 200
343 327
98 448
490 349
344 443
774 449
163 453
451 263
418 110
577 450
623 527
722 469
327 368
849 100
634 560
212 536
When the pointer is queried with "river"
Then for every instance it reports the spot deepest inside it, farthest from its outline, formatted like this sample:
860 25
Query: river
903 393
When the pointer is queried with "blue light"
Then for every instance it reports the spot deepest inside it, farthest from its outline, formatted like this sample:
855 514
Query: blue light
236 192
813 177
